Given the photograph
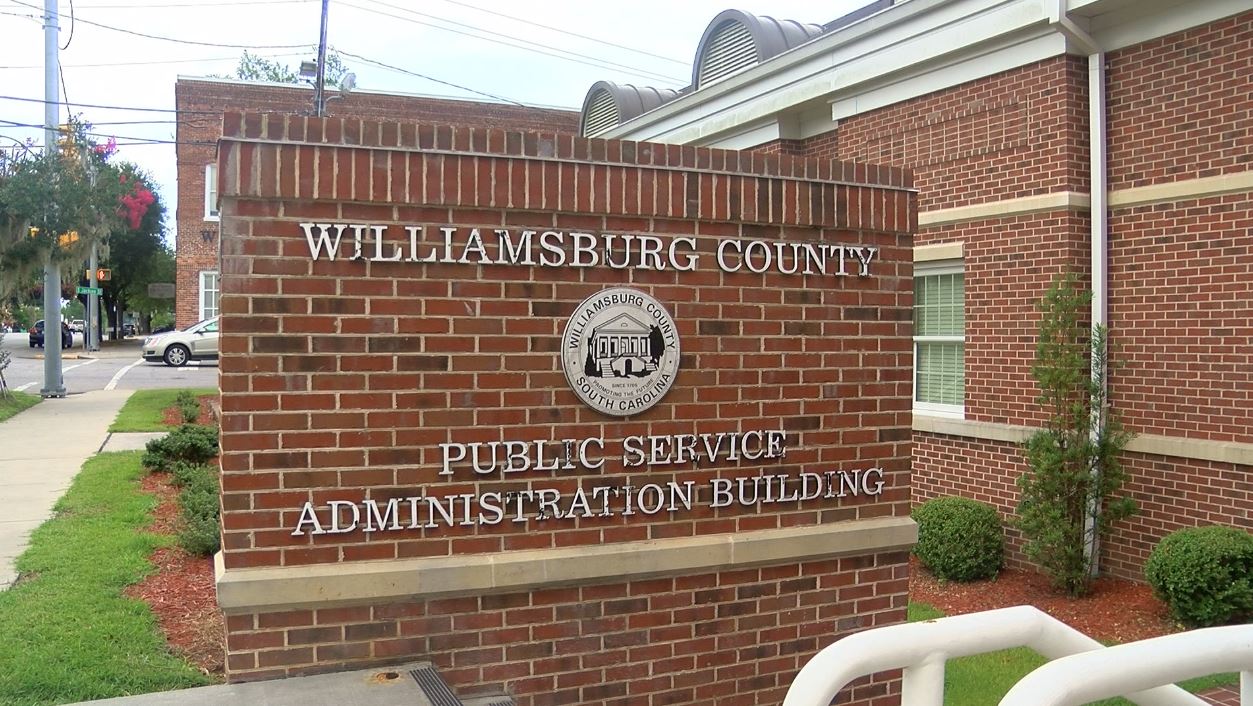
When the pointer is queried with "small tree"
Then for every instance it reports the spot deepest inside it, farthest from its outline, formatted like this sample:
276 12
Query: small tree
1067 502
253 67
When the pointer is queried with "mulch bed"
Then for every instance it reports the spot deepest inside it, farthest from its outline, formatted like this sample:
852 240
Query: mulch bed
1116 611
181 590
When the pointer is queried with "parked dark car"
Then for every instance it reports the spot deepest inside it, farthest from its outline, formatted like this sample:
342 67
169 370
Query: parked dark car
129 330
37 335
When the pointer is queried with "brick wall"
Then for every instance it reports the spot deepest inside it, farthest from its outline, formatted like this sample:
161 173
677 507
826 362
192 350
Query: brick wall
339 379
1173 494
1180 302
201 102
1180 280
1009 265
986 471
731 638
1019 133
1179 105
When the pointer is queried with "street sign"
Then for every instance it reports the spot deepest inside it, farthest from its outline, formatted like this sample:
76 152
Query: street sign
90 290
161 290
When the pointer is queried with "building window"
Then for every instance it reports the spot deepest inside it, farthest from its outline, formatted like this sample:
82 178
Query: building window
211 192
940 338
208 294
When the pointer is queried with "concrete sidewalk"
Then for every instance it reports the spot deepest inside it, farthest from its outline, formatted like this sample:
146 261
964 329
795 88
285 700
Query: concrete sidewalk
41 450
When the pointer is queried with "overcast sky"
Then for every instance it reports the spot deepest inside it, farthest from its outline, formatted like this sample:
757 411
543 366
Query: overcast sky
498 47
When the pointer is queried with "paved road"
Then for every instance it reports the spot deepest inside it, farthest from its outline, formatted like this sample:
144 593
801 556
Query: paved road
116 366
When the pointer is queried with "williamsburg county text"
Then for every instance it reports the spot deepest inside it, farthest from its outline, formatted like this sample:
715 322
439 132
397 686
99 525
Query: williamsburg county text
558 248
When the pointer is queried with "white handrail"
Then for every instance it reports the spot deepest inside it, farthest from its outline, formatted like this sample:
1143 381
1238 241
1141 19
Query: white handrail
922 648
1082 678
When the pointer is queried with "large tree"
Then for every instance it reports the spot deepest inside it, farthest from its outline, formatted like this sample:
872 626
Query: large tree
54 204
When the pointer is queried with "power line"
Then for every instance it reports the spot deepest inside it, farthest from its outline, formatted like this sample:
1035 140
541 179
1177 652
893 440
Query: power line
428 78
147 62
26 15
584 59
71 38
176 40
196 4
116 107
92 123
563 31
119 138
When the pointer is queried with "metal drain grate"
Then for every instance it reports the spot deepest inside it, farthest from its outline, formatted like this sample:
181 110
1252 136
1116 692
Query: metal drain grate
432 684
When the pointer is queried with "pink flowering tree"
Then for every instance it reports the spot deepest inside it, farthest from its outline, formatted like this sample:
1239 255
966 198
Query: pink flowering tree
138 254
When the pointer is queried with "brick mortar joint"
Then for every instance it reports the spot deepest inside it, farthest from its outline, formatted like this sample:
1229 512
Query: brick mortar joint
576 162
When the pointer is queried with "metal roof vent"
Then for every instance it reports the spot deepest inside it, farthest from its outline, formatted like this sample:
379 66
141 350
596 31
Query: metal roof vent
600 115
736 40
730 49
608 105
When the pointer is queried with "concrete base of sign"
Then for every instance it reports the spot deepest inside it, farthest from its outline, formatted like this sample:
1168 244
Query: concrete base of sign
291 587
367 687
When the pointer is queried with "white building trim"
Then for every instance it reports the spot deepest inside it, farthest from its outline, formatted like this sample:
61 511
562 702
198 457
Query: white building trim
1172 446
1043 203
908 50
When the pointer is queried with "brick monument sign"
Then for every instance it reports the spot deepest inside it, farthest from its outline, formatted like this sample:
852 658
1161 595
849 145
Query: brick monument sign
579 421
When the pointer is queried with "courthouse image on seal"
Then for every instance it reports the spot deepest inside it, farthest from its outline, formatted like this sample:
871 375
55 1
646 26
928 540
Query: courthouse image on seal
620 351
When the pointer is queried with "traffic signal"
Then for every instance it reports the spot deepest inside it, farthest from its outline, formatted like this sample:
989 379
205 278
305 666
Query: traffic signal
67 141
103 275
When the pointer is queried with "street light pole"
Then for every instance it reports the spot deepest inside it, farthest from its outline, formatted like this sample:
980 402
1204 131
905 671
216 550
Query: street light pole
53 383
91 332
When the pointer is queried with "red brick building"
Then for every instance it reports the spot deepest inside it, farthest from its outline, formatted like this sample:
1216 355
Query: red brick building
201 103
989 104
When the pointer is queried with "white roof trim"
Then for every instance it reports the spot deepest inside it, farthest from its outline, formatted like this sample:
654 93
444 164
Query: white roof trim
904 51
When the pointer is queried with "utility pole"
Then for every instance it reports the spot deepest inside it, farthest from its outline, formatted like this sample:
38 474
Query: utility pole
54 386
319 94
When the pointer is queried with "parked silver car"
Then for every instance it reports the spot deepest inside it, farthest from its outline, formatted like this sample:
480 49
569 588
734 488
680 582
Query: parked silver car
196 342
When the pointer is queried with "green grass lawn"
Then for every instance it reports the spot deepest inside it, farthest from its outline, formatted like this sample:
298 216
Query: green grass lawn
15 402
982 680
143 411
68 633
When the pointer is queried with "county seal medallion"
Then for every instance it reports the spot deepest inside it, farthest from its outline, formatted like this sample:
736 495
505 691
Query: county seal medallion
620 351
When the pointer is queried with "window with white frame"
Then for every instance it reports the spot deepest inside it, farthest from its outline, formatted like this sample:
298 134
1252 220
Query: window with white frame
940 338
208 294
211 192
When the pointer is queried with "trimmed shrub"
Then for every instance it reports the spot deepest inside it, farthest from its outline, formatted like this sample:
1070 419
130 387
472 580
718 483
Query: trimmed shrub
959 539
1205 574
200 536
199 508
188 406
183 473
192 443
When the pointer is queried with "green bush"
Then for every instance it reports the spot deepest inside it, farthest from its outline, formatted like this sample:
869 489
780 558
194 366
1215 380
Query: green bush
184 473
959 539
188 406
192 443
199 508
200 536
1205 574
